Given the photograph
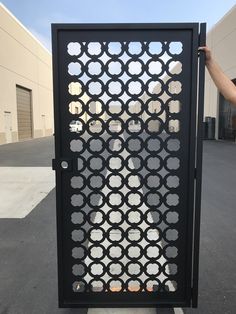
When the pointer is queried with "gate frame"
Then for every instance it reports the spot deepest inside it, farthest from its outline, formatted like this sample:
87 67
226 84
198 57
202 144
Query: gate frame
195 156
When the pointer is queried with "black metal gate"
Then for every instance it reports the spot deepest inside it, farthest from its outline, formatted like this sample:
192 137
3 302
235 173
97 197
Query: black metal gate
128 174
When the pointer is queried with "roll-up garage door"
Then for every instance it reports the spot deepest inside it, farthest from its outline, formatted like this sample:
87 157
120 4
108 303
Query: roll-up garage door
24 113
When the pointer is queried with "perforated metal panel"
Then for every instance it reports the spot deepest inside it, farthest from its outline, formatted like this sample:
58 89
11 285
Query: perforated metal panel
125 121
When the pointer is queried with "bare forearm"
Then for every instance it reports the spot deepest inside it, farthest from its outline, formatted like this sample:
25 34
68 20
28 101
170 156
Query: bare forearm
223 83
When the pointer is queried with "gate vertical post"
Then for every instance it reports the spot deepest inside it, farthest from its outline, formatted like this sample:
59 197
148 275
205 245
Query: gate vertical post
199 149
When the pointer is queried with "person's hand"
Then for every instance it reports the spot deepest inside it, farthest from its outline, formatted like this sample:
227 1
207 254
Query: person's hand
207 53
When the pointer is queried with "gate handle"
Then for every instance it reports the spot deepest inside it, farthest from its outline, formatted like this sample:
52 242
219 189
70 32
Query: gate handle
64 164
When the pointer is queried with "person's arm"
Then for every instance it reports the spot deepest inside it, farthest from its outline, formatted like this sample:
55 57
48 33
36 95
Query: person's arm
222 82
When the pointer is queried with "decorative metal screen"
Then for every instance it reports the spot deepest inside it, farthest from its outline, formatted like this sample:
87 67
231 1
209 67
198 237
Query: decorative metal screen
125 111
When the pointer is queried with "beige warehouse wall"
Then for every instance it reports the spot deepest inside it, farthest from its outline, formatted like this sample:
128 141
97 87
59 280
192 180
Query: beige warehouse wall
222 41
25 62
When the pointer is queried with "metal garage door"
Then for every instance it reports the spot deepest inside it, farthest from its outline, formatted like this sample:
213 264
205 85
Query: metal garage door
24 113
128 176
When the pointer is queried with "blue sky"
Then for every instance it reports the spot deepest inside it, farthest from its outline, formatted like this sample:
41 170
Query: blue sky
38 15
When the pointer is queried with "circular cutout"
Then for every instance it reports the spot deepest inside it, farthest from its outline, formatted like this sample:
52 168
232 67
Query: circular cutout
78 269
115 251
115 235
95 145
115 163
77 107
153 145
152 235
79 286
75 88
153 181
134 48
171 217
153 164
115 181
77 145
96 252
133 217
96 269
155 107
155 87
94 88
96 217
134 163
134 87
134 126
152 252
171 251
96 199
134 251
114 68
115 285
94 68
172 145
115 269
153 199
171 235
96 235
78 182
114 87
134 268
114 49
78 252
134 198
155 67
78 200
134 234
155 48
153 217
75 68
95 164
115 107
115 145
115 199
115 217
94 49
74 49
134 145
78 218
135 107
133 181
96 181
172 163
152 269
175 47
171 181
134 68
171 199
78 235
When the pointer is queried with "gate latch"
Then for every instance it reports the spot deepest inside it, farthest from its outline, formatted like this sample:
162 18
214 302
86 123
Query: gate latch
62 164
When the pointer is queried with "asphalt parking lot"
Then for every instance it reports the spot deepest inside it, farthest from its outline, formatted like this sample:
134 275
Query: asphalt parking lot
28 273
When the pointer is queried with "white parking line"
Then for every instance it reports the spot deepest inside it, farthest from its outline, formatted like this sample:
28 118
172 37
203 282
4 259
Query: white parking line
22 188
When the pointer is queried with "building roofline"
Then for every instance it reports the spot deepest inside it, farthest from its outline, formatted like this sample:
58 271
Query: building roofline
24 27
222 18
